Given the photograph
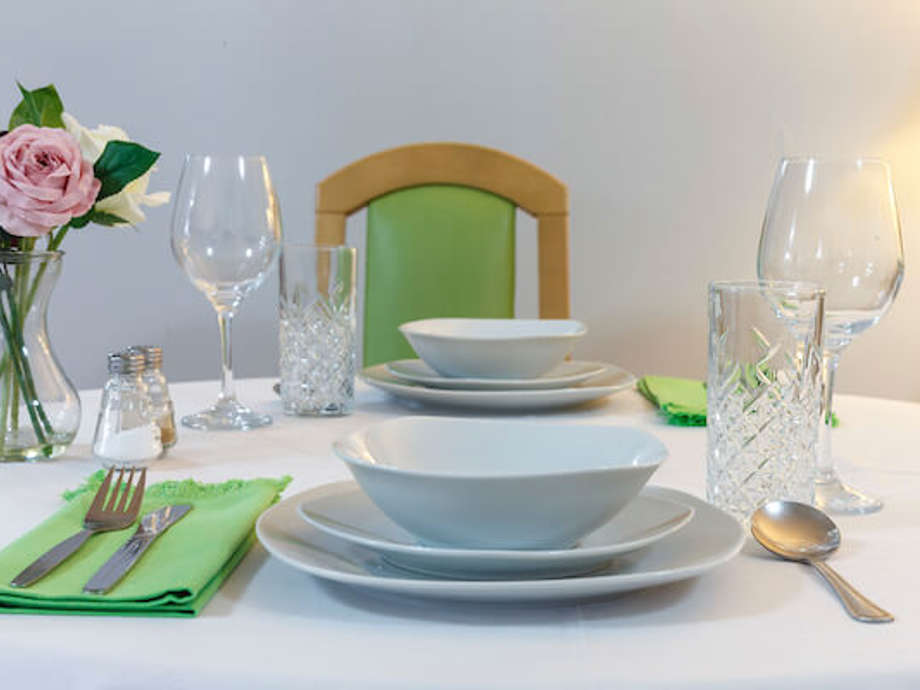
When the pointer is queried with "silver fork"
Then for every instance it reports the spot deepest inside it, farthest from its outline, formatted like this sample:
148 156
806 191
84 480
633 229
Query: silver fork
102 516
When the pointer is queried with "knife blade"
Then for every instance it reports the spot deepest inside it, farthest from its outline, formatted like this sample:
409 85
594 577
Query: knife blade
152 525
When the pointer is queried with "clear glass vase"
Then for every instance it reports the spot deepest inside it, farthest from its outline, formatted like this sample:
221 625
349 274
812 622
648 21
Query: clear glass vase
39 406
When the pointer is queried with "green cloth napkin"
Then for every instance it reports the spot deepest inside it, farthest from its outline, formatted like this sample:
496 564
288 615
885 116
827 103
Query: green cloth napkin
176 577
682 401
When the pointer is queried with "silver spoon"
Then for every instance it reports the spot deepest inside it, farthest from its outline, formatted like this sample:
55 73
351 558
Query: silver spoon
799 532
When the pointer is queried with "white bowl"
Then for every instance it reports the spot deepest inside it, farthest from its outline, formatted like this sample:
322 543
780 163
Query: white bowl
499 484
493 348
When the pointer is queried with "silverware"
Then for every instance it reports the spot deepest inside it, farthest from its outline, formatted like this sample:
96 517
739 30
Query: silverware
798 532
152 525
102 516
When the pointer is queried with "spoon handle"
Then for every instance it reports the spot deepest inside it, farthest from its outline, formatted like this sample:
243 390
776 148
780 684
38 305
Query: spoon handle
858 606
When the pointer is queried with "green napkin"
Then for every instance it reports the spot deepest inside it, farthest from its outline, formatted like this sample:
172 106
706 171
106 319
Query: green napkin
176 577
683 401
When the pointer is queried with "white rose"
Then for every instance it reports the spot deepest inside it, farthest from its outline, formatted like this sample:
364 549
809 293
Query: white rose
127 203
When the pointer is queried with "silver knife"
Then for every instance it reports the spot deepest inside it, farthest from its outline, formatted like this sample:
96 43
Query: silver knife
152 525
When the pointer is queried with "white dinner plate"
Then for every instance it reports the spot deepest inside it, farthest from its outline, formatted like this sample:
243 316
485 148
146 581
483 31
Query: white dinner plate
344 511
611 380
565 374
711 538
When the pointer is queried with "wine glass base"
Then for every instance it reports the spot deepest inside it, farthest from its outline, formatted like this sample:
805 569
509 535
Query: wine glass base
226 416
836 497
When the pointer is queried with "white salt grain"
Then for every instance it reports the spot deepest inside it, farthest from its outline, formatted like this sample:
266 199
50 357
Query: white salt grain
130 445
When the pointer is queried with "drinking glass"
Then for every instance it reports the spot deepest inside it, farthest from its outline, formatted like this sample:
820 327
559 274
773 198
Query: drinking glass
835 223
318 340
763 393
226 231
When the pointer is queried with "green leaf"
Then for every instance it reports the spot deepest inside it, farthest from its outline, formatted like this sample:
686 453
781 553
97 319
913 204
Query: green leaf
107 219
121 162
41 107
98 217
5 283
81 221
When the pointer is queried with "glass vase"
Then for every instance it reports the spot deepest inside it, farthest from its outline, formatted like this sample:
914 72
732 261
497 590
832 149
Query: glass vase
39 406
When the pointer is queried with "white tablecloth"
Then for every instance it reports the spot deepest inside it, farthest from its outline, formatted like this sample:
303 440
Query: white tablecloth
756 622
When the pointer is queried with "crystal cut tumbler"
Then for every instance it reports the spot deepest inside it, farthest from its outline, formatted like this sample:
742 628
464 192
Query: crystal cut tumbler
764 393
318 329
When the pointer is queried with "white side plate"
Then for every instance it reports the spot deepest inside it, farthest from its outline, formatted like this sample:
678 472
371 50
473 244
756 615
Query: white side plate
611 380
565 374
345 512
710 539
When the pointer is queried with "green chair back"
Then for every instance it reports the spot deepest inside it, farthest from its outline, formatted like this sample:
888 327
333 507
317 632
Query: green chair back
434 250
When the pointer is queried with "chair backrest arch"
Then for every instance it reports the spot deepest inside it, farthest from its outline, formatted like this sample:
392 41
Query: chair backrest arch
528 187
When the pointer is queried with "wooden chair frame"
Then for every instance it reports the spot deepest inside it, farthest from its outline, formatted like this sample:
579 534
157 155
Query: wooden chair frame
530 188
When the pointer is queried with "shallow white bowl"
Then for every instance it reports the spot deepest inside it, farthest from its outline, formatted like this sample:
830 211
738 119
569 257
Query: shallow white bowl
499 484
493 348
560 376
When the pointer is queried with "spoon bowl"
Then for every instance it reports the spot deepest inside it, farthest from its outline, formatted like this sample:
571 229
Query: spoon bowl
799 532
795 531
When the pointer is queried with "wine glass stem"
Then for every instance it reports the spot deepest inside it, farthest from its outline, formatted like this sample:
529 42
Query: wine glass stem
224 317
825 457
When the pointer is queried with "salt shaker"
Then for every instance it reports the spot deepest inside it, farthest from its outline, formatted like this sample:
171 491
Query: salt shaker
159 392
126 431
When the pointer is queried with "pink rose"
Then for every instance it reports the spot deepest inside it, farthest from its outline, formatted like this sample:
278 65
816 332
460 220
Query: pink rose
44 180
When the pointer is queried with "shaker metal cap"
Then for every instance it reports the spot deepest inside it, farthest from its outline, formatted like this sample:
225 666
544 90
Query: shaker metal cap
126 362
153 355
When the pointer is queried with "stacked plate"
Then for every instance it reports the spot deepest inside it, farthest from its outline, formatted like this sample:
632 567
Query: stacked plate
484 510
499 364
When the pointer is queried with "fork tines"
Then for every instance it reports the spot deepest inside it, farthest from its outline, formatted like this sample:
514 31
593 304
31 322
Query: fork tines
118 498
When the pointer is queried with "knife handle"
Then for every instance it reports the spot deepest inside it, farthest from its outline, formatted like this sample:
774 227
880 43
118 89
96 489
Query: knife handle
120 563
51 559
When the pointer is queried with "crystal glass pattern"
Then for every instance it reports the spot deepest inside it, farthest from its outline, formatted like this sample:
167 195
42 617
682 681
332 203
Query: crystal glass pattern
835 223
764 393
318 329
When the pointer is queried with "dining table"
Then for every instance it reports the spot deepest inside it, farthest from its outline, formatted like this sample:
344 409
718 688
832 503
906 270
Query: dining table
753 622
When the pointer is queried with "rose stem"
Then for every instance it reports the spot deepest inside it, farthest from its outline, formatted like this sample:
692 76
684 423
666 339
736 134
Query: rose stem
19 317
11 338
54 241
6 381
15 353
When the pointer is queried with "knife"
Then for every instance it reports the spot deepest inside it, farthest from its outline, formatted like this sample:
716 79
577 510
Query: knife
152 525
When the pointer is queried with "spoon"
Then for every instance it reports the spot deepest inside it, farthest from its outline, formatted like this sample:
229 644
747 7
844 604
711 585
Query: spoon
798 532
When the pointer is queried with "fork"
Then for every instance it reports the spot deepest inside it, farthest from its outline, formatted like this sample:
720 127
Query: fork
102 516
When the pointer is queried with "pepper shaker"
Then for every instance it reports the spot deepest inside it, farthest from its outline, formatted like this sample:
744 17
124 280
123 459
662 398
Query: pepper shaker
159 393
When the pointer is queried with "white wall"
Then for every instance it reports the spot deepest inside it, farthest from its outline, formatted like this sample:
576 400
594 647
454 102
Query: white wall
665 118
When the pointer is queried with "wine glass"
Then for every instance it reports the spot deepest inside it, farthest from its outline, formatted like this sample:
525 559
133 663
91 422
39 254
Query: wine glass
835 223
226 231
